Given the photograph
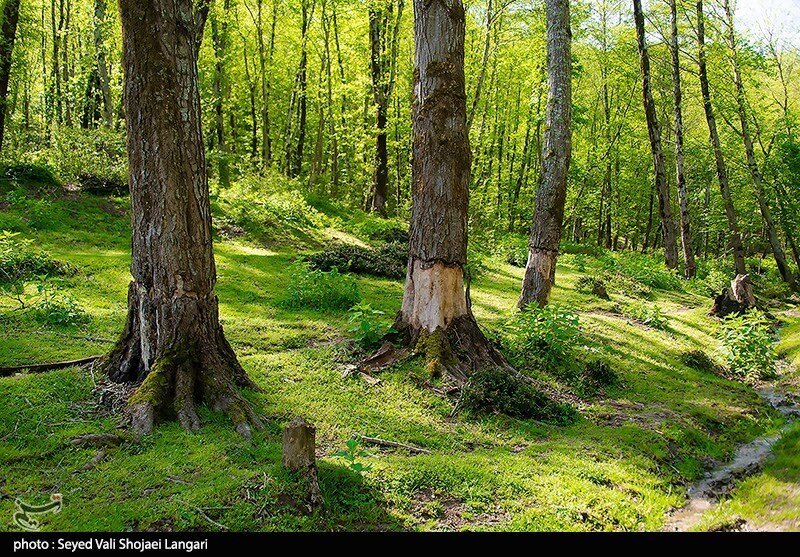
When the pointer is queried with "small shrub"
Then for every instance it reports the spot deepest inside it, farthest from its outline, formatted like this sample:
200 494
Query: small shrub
368 325
628 286
20 263
494 390
594 286
549 334
388 260
648 314
322 290
58 310
645 269
30 173
582 249
351 454
748 346
598 374
699 360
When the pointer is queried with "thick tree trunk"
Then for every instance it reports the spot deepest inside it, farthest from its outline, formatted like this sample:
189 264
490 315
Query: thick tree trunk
735 239
552 193
690 269
654 130
9 34
436 316
752 164
173 342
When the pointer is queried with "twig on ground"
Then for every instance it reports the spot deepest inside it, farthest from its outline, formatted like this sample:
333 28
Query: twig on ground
393 444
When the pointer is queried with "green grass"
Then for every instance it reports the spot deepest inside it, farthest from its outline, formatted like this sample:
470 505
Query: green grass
622 466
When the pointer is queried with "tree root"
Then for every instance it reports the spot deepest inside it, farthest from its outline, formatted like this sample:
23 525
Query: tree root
41 368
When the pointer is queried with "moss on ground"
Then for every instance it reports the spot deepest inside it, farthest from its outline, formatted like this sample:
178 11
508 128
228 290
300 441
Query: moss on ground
621 466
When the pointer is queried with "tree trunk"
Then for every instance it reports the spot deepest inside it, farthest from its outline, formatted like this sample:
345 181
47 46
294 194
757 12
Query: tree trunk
752 164
552 193
690 269
721 168
173 342
9 34
436 316
102 65
219 37
654 130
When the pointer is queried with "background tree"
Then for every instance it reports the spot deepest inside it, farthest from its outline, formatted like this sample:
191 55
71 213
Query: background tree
551 195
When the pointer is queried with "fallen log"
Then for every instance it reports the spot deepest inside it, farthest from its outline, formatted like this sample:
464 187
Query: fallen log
41 368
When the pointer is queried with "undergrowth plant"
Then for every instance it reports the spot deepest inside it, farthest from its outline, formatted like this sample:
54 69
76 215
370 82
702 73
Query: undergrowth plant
368 325
321 290
549 334
748 348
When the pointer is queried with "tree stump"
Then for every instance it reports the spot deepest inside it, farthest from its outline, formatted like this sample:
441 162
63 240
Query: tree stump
299 445
735 300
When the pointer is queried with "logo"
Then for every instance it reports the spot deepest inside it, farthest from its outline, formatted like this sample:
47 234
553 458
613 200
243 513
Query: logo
25 514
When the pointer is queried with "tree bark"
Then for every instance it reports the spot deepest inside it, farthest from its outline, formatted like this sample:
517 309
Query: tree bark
173 342
654 131
735 239
690 269
552 193
436 316
752 164
9 34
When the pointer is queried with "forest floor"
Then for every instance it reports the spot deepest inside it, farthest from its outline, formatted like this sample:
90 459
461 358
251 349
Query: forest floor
624 465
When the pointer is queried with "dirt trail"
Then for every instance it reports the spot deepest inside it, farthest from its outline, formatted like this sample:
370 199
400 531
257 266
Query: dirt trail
749 459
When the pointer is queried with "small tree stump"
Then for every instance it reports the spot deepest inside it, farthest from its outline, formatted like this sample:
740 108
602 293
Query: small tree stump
737 299
299 445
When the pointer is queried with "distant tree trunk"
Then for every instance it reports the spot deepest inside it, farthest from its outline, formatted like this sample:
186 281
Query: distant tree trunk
383 37
9 34
735 236
654 130
298 104
752 164
552 193
690 269
219 37
102 64
487 42
173 341
436 315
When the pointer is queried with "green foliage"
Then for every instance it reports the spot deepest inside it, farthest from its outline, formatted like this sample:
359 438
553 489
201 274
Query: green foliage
649 314
351 454
645 269
627 285
26 173
699 360
388 260
321 290
494 390
592 285
549 334
598 374
748 346
368 325
384 230
55 309
20 263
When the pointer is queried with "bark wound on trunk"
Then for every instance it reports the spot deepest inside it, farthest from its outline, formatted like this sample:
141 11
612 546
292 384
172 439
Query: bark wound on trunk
552 193
173 343
436 318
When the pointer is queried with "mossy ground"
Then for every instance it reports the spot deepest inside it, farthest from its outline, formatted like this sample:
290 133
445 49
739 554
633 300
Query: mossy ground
622 466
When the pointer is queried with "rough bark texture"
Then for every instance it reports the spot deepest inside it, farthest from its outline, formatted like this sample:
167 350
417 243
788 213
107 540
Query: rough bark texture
9 34
551 195
173 342
721 168
436 317
690 269
752 164
654 130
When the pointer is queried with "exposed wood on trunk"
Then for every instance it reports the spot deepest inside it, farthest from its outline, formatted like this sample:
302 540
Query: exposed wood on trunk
737 299
551 195
654 132
172 342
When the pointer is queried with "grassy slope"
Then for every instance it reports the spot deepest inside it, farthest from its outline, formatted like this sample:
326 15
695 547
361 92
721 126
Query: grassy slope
621 467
